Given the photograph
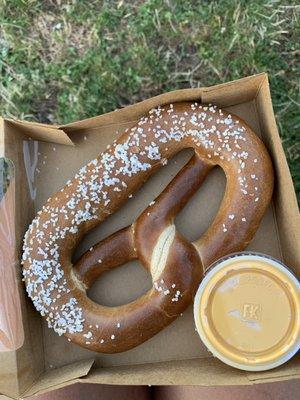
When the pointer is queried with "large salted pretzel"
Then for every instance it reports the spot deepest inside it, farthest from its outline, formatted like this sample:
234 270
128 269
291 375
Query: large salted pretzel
58 289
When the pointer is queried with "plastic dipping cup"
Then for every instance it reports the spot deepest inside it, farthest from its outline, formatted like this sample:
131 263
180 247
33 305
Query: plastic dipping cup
247 311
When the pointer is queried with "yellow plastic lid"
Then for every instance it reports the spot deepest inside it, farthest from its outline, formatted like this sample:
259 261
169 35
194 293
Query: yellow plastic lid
247 311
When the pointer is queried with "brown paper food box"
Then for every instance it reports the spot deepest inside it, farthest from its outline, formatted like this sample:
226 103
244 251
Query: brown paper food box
175 356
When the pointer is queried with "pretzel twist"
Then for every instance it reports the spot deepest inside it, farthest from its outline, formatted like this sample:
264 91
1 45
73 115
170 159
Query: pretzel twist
59 291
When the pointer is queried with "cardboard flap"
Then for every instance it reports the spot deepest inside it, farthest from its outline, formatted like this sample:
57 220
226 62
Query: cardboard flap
203 372
56 377
229 94
42 132
8 378
225 93
290 370
285 196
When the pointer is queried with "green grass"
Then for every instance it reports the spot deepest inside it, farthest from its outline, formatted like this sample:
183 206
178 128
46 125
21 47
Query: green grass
63 60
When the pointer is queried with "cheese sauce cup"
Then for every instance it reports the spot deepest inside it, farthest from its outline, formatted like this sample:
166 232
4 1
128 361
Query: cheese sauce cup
247 311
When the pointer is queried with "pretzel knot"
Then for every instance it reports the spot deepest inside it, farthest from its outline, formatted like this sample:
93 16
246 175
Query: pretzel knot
58 289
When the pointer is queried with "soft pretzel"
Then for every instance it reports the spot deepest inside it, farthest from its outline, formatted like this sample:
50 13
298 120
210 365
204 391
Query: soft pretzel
59 291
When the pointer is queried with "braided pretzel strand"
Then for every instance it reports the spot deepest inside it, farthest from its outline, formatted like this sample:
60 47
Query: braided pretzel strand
58 290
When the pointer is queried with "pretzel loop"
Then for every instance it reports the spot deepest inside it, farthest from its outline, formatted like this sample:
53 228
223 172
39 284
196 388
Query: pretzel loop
122 246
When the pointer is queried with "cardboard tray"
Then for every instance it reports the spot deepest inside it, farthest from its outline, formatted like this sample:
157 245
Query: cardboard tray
176 355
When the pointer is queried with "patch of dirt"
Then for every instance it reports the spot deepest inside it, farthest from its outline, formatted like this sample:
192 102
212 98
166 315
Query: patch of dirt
54 35
44 108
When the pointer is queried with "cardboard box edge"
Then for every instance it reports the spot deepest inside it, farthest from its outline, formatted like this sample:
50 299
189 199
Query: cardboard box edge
279 144
59 377
288 194
158 100
42 132
118 375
